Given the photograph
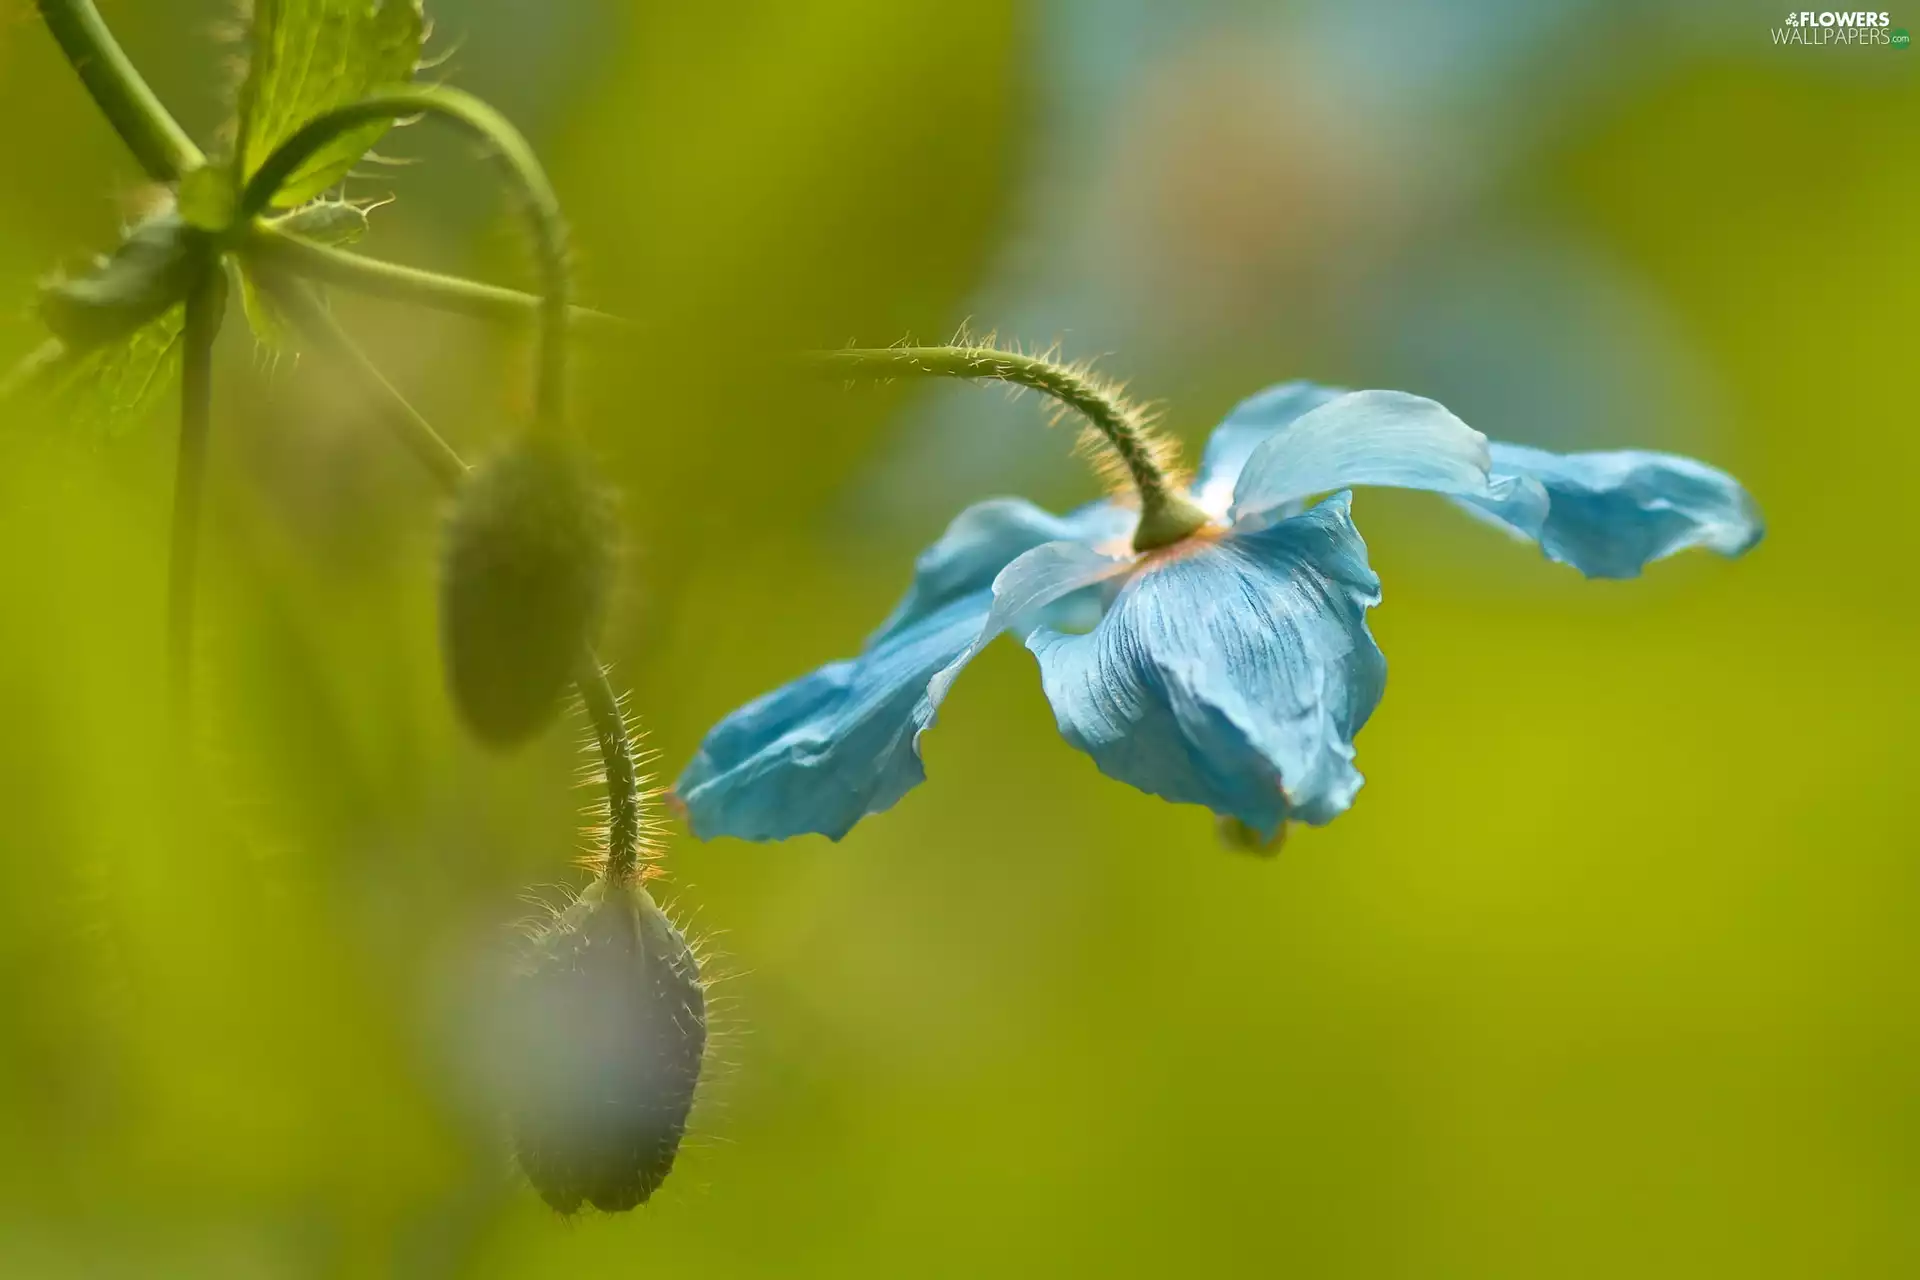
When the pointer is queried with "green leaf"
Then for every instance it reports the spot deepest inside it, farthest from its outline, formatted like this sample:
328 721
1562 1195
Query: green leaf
270 328
109 389
308 56
148 273
328 222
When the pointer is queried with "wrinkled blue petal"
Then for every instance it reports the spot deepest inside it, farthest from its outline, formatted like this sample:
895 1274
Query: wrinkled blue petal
1232 674
822 752
1022 595
819 754
1610 514
983 540
1241 431
1363 438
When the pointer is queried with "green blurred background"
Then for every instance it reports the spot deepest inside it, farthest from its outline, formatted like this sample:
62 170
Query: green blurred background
1612 970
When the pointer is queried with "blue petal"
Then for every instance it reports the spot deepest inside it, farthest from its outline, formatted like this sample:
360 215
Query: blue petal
1610 514
1363 438
819 754
823 752
1022 594
1232 675
983 540
1241 431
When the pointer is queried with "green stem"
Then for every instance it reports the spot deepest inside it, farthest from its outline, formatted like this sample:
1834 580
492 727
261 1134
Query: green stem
396 283
1166 514
297 300
516 158
206 306
156 139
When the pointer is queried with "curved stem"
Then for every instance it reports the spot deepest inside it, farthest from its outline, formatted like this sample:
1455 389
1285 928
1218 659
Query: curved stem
206 305
1166 513
156 139
521 165
396 283
448 469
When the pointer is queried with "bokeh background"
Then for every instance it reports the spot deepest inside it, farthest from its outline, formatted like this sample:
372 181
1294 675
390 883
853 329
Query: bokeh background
1612 970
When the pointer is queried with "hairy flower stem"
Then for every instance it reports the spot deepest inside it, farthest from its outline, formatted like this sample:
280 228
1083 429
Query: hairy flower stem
297 301
622 774
1166 514
157 141
521 166
206 305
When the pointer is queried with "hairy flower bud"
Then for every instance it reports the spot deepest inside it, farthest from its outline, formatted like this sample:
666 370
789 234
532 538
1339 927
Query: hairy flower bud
524 583
611 1023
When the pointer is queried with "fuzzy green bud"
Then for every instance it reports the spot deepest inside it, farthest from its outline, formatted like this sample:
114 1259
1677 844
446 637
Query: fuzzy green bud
611 1022
525 577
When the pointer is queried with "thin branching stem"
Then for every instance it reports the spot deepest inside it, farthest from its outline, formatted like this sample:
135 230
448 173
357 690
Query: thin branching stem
298 301
393 282
516 157
166 153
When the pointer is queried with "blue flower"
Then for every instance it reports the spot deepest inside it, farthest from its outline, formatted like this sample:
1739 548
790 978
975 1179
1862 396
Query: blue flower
1232 669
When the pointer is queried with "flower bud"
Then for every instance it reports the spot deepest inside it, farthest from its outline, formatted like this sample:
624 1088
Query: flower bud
611 1020
524 582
